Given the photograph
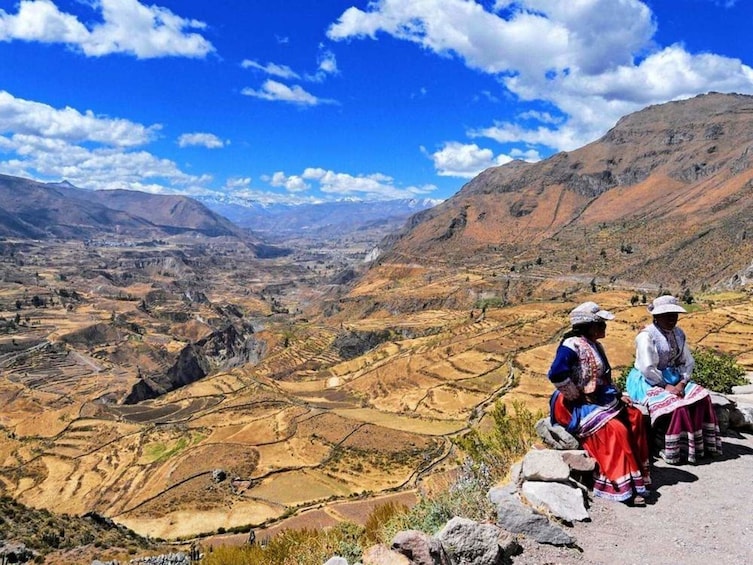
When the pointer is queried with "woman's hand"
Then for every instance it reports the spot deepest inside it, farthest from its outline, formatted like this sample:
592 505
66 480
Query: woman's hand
627 400
677 390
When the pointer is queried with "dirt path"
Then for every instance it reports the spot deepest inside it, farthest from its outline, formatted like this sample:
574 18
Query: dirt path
703 514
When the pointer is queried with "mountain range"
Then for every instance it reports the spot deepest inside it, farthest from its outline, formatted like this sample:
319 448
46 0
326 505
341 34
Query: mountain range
30 209
665 196
317 220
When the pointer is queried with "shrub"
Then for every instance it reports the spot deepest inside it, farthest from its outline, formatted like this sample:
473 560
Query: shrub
295 547
717 371
507 440
379 518
621 381
713 370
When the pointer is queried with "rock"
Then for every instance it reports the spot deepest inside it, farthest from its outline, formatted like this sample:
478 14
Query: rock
383 555
579 461
723 414
741 418
515 517
470 543
545 465
743 389
516 474
555 436
334 382
420 548
336 560
218 475
563 501
720 400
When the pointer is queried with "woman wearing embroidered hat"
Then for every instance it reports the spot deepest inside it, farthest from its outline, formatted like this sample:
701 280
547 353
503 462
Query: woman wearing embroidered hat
588 404
681 410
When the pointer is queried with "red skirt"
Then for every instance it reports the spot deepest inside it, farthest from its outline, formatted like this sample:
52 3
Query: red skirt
621 450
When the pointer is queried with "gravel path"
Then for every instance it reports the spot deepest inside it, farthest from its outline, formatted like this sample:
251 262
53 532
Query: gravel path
702 514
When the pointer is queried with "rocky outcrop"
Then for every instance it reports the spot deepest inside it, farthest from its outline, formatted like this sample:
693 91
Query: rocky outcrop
352 344
222 349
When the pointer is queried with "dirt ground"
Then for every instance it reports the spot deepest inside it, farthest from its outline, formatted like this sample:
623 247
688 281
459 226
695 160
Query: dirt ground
701 514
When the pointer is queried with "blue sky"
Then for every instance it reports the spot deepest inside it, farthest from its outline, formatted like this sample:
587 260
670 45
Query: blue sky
312 100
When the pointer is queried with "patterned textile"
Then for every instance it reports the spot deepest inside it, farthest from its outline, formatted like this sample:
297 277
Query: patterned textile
660 402
693 433
669 345
592 366
693 429
620 448
582 374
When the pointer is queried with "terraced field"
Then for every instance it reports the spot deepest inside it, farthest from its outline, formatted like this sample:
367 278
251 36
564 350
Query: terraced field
307 431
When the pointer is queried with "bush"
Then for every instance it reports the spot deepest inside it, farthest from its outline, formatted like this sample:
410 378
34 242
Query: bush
508 439
717 371
621 381
713 370
379 518
295 547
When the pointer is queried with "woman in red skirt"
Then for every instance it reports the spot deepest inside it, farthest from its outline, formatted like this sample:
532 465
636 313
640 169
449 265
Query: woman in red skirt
591 408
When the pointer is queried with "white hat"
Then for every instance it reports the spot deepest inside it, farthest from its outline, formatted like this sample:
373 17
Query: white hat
587 313
665 304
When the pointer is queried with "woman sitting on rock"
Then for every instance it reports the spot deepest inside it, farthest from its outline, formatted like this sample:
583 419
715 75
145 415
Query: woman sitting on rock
681 411
591 408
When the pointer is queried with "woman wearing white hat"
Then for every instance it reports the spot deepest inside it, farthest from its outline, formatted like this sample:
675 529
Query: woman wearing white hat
681 410
588 404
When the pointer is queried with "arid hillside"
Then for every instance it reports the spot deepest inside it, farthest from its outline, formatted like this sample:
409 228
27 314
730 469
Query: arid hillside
663 198
35 210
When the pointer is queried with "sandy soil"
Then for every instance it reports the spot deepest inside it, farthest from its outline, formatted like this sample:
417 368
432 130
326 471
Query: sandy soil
701 514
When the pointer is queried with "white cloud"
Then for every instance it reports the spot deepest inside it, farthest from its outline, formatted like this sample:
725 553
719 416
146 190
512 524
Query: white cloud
208 140
376 186
466 160
238 183
278 92
46 143
291 183
273 69
127 27
333 185
593 60
37 119
327 63
101 168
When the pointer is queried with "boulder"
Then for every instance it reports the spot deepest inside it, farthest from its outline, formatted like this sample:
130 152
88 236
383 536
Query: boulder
563 501
420 548
555 436
383 555
516 517
545 465
470 543
579 461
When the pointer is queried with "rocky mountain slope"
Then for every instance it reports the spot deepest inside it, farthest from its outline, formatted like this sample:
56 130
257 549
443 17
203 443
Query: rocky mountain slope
30 209
664 196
